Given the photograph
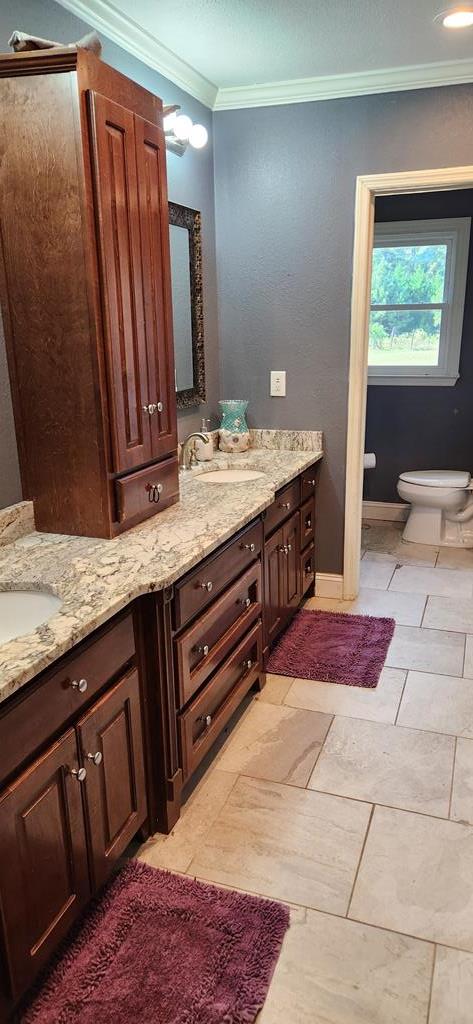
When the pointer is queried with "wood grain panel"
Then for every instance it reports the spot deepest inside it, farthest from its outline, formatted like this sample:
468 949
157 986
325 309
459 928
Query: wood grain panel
43 860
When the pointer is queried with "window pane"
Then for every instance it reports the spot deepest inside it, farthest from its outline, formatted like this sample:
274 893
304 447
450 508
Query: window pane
405 339
408 273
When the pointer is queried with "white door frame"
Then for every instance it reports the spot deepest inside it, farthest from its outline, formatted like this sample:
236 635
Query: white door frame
367 188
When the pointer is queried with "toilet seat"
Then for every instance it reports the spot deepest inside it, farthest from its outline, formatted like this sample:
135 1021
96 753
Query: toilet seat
451 478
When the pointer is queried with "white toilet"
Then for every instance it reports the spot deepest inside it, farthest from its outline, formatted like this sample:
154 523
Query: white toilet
441 507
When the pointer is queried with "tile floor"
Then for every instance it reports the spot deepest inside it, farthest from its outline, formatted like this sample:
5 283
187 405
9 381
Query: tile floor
356 808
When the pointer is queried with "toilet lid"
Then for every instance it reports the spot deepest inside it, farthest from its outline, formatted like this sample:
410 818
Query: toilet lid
437 478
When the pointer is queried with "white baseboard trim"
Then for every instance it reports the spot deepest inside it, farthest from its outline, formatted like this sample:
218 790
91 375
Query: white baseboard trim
328 584
391 511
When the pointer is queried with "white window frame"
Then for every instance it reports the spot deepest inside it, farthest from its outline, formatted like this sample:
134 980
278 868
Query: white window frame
453 232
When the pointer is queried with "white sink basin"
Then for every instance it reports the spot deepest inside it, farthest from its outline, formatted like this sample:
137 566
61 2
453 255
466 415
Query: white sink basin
230 476
21 611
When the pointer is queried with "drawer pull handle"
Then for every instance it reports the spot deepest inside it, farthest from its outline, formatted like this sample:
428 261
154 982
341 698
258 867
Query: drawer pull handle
245 601
206 719
80 774
159 406
150 409
206 586
154 491
203 649
289 548
285 504
308 570
80 685
308 523
247 664
248 547
311 483
284 549
95 758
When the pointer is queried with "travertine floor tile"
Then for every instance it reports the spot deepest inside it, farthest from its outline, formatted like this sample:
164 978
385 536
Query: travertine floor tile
375 575
384 539
275 689
386 765
468 665
176 850
441 582
452 991
426 650
378 705
415 877
334 971
455 558
277 743
287 843
451 613
462 793
406 609
438 703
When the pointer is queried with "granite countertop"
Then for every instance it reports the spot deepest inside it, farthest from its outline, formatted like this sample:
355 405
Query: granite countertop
97 578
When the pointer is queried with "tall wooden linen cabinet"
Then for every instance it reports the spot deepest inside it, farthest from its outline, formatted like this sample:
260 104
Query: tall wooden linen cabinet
86 293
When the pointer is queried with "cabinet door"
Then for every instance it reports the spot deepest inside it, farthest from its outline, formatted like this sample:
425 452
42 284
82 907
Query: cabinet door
291 545
111 742
118 229
44 880
273 587
155 260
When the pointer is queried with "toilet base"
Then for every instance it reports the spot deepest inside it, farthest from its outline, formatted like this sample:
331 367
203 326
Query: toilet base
429 526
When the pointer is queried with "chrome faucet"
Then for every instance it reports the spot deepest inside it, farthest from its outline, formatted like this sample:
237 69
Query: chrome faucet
188 456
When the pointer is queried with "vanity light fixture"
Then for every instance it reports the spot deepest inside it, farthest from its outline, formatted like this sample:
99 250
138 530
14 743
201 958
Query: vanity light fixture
456 16
180 131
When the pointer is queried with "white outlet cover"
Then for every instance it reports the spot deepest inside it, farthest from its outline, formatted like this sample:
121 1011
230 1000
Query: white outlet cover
277 387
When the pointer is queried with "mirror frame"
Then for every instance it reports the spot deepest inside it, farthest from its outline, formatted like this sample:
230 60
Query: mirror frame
185 217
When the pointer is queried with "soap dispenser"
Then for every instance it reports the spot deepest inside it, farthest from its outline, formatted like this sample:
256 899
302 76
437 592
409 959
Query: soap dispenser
204 452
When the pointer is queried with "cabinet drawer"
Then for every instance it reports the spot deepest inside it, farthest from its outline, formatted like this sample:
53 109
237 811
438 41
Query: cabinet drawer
54 699
147 491
308 481
284 503
200 725
204 645
307 517
307 568
213 575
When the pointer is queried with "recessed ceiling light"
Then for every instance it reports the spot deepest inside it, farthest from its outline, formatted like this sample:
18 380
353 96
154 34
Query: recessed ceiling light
459 16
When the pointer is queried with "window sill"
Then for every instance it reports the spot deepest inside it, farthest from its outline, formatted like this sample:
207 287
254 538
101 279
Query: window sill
416 382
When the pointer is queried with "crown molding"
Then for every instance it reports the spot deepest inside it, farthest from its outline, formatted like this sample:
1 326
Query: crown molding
329 87
121 29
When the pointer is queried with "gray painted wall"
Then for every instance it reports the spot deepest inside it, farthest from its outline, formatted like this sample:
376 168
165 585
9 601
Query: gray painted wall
190 182
425 427
285 188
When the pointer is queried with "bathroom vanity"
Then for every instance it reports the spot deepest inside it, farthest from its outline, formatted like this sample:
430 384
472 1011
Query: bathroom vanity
97 746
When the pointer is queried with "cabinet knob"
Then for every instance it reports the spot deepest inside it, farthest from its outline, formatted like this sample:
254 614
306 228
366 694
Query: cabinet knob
283 549
203 649
289 548
285 504
159 406
308 522
80 774
206 586
247 664
206 719
245 601
154 491
150 409
248 547
95 758
80 685
311 483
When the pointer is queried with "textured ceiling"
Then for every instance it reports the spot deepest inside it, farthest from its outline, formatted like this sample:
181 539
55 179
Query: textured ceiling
248 42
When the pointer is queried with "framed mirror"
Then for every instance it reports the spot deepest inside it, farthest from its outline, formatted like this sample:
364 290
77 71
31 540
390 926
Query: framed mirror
187 304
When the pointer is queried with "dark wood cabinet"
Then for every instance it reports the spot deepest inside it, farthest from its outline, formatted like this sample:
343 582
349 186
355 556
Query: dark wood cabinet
111 746
86 288
44 879
274 592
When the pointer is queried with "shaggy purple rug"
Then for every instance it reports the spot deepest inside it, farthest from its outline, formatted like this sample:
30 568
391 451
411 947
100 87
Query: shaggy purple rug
333 647
163 949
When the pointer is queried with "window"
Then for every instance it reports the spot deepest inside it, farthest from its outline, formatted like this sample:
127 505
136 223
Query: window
417 297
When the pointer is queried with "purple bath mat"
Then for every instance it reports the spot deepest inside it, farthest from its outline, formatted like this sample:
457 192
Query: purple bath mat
159 948
333 647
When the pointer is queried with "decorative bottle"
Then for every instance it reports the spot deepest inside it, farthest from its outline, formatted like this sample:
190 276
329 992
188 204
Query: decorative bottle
204 452
234 435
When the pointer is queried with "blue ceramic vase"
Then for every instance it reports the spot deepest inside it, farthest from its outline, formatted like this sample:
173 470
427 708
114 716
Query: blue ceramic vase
234 435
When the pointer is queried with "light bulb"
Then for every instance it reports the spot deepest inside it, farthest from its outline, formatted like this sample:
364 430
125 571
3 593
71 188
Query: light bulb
457 17
168 121
198 136
182 127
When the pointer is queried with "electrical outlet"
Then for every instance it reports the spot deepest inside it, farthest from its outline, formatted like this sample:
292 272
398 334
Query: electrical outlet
277 383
